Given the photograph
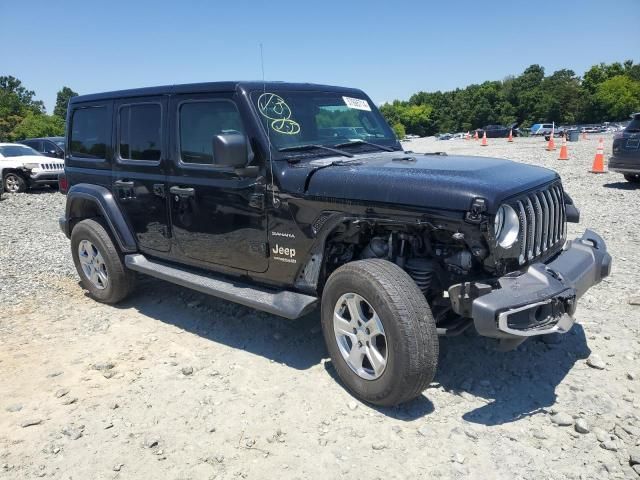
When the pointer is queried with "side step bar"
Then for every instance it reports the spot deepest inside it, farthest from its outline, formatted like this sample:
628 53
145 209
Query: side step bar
287 304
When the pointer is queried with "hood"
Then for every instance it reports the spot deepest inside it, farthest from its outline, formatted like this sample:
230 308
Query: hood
29 159
430 181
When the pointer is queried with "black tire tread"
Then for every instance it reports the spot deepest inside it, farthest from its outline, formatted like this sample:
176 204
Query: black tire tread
418 325
122 280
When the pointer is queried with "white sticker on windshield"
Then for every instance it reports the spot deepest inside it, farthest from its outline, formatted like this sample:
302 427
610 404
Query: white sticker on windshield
357 103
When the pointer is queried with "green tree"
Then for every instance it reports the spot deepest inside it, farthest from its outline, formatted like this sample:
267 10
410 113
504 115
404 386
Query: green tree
399 130
62 101
13 87
619 96
15 103
38 125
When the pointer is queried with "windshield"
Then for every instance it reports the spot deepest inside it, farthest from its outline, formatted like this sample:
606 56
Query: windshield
634 125
330 119
16 151
59 143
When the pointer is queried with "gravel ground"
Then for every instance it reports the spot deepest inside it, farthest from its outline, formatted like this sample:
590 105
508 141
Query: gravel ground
172 384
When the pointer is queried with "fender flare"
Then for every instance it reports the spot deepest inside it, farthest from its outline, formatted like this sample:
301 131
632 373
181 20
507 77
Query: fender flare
103 199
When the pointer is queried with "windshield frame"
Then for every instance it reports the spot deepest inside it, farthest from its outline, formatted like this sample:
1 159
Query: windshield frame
390 141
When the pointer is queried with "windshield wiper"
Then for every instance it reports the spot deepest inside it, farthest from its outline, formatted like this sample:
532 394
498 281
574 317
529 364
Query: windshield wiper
314 147
364 142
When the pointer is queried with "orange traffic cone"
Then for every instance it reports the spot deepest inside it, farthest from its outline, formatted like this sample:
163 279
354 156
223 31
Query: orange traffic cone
598 161
551 145
510 139
475 135
468 135
584 135
563 150
484 140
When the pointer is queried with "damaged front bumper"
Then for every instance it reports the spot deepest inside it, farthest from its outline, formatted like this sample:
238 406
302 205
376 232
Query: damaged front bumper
539 300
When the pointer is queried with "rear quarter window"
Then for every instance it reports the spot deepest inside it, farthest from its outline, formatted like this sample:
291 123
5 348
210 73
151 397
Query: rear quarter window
89 132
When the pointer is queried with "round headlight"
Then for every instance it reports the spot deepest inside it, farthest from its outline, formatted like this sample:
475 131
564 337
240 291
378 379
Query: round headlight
506 226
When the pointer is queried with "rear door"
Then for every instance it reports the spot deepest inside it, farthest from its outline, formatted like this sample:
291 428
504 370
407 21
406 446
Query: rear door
217 213
139 177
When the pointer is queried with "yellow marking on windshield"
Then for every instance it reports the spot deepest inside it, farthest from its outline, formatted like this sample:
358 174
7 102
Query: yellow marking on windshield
274 108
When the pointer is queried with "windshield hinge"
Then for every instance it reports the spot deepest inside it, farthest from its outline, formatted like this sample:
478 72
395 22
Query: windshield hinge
478 207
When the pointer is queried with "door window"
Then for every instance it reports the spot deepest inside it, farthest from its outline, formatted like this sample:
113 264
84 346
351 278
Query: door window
199 122
35 144
50 147
139 132
89 127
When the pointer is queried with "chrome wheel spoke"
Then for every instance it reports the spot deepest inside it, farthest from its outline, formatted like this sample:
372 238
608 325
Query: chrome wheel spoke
374 326
360 336
93 265
342 326
356 356
355 309
377 360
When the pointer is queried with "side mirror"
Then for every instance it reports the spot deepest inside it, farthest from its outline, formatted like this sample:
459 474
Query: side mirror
230 150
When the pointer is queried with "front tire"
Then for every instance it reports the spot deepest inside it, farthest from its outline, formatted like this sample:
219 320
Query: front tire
633 178
379 331
99 263
14 183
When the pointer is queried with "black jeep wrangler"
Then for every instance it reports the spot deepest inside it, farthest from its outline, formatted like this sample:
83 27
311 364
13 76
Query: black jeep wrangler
283 197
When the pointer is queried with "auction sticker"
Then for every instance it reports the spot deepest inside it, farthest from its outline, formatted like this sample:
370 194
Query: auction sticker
357 103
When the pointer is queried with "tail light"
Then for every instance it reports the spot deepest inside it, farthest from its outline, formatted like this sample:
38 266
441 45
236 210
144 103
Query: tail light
63 184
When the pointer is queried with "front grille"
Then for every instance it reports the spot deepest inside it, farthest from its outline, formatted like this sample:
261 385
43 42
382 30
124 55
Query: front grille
543 221
52 166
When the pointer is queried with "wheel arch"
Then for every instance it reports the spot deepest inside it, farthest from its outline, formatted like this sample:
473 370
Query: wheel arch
88 201
312 275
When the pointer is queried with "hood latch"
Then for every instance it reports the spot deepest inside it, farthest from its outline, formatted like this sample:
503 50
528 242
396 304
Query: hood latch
478 207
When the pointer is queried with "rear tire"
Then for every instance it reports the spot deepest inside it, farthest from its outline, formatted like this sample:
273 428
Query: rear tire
378 289
631 177
99 263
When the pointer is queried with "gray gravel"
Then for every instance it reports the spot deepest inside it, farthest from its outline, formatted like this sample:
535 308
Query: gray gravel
201 388
34 254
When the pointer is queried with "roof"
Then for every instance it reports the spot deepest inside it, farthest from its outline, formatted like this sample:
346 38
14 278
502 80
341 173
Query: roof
42 138
229 86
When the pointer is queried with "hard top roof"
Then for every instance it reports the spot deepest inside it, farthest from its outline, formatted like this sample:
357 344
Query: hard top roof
229 86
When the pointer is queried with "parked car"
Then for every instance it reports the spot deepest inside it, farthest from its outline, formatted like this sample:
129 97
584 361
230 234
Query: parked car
48 146
229 189
445 136
557 132
498 131
21 167
626 151
539 129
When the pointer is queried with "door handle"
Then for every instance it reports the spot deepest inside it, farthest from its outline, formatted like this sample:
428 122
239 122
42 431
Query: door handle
183 191
123 184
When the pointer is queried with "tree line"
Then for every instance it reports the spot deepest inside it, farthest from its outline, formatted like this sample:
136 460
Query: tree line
22 116
606 92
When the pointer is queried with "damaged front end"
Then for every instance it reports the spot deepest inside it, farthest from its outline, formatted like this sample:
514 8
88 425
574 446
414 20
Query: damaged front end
538 300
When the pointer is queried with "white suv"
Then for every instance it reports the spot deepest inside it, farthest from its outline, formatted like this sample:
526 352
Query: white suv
21 167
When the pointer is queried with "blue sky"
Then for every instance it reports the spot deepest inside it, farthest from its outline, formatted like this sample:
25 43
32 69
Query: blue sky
389 49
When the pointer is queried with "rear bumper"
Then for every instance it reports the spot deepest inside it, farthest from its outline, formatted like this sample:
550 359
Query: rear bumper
542 299
625 164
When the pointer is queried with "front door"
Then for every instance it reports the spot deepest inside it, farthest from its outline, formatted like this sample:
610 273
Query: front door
139 178
217 212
